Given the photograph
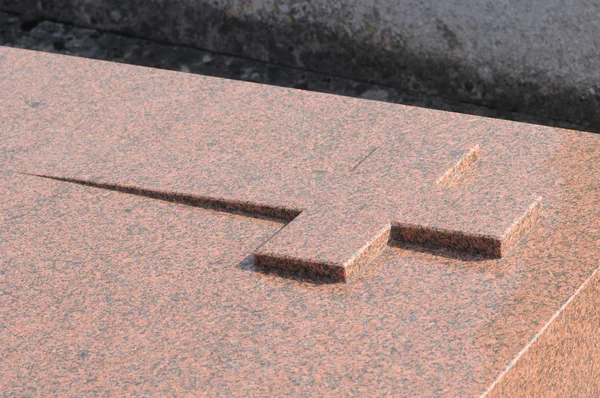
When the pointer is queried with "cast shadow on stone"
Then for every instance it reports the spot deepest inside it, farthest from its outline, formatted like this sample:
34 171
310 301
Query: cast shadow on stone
438 251
247 264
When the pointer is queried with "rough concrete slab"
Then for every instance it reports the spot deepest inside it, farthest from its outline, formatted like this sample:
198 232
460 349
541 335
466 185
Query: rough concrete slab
538 57
146 296
20 6
35 33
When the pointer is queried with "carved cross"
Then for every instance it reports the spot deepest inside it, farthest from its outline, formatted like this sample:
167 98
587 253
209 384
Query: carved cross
430 196
403 195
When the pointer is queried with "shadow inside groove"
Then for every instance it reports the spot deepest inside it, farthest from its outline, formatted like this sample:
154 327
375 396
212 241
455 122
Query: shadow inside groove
277 214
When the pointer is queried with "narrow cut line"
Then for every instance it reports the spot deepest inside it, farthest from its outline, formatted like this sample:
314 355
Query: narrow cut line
285 224
467 160
538 335
521 225
365 255
247 209
365 158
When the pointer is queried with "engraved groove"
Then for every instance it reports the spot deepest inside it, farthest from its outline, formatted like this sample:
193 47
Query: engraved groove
493 246
248 209
470 157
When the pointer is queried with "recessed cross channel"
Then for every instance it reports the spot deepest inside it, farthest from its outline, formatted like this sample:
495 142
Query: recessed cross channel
402 196
395 193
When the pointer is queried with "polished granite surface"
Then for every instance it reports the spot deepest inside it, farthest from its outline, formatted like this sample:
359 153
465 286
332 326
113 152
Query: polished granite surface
135 285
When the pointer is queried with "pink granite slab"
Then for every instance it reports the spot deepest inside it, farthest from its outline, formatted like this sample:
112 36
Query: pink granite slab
125 293
563 360
396 194
279 152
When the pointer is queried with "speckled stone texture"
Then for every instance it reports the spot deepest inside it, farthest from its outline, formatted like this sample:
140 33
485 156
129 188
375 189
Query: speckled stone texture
136 286
394 193
563 361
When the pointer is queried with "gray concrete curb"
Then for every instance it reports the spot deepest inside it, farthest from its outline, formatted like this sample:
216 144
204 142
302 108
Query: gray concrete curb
540 57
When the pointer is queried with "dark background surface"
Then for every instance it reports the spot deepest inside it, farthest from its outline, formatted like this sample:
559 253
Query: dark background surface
34 32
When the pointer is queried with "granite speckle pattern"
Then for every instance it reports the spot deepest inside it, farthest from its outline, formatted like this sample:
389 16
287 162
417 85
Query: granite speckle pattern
106 292
393 194
454 173
563 361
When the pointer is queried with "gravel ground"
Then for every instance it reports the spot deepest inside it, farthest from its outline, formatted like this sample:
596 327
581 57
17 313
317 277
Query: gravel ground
32 33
